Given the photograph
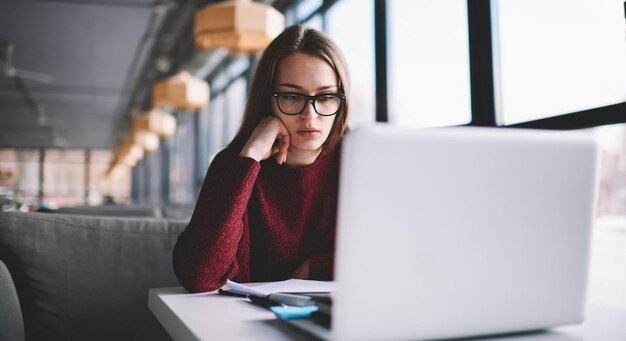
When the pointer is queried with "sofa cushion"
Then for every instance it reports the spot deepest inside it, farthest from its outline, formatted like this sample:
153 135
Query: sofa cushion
87 277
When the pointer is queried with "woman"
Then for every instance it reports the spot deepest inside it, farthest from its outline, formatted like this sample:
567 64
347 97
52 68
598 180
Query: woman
267 208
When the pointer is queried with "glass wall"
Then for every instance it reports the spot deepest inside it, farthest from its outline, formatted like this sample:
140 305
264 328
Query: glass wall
19 175
428 63
557 57
64 178
306 8
203 140
71 177
607 278
182 178
216 136
106 190
235 100
356 41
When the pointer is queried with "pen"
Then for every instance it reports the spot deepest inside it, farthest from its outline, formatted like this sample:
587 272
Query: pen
230 293
291 299
264 301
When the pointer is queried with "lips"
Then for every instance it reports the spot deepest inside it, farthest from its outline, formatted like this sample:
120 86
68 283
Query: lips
308 132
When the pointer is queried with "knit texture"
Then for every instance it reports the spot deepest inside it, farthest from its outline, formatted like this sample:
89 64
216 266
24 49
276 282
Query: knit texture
256 222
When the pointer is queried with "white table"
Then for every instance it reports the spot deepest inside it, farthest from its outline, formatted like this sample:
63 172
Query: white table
210 316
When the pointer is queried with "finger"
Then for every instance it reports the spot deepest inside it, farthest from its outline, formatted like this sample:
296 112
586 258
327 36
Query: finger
281 154
285 142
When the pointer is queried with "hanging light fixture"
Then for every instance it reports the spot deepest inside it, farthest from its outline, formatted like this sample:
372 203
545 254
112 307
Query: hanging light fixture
114 170
144 136
181 91
239 25
130 152
157 121
112 167
146 139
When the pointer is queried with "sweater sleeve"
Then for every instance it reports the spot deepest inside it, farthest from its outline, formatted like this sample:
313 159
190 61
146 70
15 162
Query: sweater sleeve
205 254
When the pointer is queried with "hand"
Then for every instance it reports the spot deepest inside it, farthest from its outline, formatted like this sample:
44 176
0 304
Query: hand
302 272
268 138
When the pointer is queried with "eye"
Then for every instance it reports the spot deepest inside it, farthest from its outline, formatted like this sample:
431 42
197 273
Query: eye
291 98
325 98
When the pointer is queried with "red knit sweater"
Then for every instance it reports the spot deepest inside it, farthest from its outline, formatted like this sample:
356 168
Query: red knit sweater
257 222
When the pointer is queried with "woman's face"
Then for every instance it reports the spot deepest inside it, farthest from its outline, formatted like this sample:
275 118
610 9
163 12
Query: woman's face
308 75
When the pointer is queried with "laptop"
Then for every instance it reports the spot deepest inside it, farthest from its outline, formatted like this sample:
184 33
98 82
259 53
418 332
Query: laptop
460 232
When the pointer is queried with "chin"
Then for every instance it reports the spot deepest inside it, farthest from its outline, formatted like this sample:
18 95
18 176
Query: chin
308 146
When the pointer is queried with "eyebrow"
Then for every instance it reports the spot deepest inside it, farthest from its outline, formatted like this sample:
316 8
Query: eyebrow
296 86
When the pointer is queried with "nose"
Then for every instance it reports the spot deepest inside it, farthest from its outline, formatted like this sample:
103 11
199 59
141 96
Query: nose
309 110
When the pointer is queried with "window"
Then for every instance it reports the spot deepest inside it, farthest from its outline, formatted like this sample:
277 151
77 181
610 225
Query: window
19 175
607 279
557 57
227 105
356 41
98 165
305 8
182 179
217 139
204 132
316 22
428 63
236 101
117 187
64 178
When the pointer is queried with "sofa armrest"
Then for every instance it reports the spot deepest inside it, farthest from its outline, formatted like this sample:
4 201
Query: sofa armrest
11 323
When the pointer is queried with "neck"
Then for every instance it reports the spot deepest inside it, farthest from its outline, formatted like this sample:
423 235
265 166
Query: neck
300 158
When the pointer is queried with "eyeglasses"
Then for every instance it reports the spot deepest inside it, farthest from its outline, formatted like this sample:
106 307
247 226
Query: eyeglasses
293 103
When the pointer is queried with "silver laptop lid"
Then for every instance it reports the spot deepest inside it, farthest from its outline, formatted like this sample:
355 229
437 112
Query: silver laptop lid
461 231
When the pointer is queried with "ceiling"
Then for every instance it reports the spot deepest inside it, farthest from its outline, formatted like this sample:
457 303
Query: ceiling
94 52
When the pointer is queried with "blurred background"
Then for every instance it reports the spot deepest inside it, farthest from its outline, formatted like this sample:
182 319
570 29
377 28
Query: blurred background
125 102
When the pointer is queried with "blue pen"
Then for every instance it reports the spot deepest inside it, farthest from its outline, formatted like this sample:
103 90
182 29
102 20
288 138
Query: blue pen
293 313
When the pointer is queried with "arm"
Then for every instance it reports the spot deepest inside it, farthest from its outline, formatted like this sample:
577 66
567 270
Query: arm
318 267
205 254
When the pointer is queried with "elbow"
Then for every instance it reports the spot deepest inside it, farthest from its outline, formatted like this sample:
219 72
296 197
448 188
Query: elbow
199 273
193 281
196 277
200 286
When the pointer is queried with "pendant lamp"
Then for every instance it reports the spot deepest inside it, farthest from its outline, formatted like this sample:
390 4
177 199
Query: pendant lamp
131 152
181 91
157 121
146 139
238 25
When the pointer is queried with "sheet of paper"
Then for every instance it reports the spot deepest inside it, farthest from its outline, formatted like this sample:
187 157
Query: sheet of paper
290 285
244 289
297 285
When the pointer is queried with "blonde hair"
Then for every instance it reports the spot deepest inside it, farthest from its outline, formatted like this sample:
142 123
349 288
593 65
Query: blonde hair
293 39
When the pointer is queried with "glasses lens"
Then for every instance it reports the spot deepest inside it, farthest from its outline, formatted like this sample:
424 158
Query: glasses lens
291 103
327 104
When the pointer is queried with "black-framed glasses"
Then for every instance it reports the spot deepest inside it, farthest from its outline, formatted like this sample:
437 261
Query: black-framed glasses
293 103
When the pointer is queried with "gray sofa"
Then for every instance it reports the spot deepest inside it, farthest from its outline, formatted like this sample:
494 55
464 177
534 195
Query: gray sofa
82 277
167 212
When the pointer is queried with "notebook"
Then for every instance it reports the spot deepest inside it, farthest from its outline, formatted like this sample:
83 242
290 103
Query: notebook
460 232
